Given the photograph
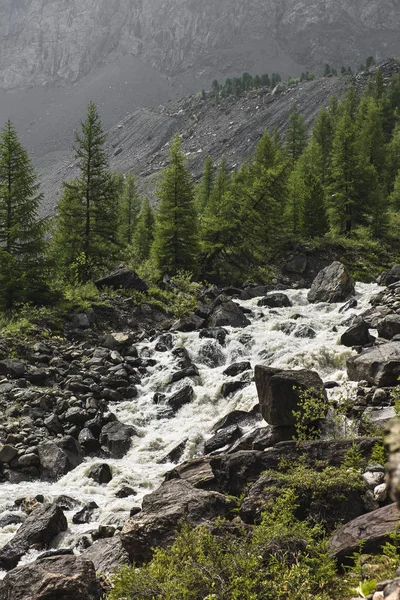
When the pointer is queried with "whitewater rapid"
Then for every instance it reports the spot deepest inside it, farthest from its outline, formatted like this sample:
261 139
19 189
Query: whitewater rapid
271 339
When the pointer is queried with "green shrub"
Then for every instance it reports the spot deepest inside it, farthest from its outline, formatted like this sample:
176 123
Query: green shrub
312 407
283 558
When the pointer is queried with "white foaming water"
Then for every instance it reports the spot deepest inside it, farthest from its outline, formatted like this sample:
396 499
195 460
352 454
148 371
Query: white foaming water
262 342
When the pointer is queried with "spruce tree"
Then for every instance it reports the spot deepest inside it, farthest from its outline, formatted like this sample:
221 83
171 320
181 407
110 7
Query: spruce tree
204 190
21 229
175 246
130 209
87 226
144 232
296 137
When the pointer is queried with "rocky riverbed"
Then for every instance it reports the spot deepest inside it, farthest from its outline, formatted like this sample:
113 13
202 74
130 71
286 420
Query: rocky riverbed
93 424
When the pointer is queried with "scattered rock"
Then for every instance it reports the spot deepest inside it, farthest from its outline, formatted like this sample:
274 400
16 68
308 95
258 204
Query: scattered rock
275 300
161 513
100 473
278 392
186 324
389 326
332 284
60 457
58 577
86 514
183 396
356 335
237 368
107 555
117 438
38 530
122 279
378 366
228 313
216 333
373 529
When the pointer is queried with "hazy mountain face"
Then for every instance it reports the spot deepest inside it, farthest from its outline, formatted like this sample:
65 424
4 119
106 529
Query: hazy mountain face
46 41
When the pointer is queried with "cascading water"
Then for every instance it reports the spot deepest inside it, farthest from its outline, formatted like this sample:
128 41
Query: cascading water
276 337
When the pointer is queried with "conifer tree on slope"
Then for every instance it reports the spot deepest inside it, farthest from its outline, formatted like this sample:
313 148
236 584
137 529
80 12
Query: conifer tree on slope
175 246
21 230
204 190
296 137
130 209
144 232
87 225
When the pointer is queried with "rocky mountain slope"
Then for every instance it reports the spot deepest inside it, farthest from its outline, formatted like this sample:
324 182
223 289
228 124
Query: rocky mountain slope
232 128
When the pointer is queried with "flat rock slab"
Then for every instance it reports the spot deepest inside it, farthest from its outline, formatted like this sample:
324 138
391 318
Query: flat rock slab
373 529
379 366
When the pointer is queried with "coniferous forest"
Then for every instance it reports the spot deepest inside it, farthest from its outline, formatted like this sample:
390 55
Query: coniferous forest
336 184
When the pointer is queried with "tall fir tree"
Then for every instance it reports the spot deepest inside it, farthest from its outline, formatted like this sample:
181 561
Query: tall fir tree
175 246
296 137
86 232
21 229
204 189
129 210
144 232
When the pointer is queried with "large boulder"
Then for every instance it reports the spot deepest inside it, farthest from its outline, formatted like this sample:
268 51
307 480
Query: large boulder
162 511
356 335
107 555
13 368
228 313
389 326
279 392
58 577
275 300
122 279
116 437
38 530
372 529
332 284
60 457
392 276
379 366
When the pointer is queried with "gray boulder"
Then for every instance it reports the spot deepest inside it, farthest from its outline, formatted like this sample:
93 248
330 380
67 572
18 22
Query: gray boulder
162 511
373 529
12 367
123 279
58 577
392 276
38 530
107 555
356 335
116 437
58 458
279 392
275 300
389 326
332 284
183 396
228 313
379 366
